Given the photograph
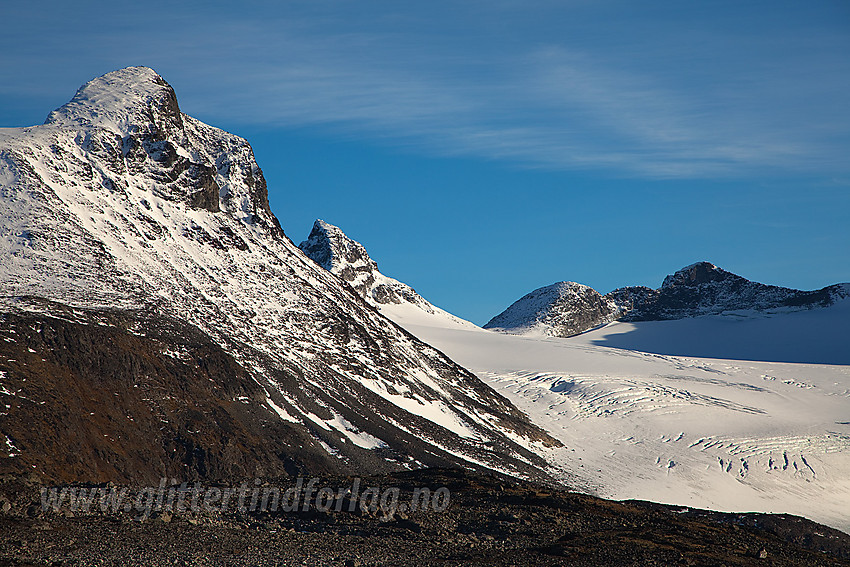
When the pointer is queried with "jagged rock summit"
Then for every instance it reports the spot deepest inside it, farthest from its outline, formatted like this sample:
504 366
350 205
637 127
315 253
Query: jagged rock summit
156 321
566 309
329 247
347 259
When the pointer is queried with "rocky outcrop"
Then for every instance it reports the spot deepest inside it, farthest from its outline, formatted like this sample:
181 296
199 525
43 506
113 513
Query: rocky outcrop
347 259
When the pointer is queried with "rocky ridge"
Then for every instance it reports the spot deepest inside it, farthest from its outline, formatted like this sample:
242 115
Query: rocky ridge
567 308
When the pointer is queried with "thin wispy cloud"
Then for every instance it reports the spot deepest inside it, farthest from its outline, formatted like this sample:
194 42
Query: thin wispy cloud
575 103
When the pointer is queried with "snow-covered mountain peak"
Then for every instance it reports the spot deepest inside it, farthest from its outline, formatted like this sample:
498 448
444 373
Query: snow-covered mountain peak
347 259
130 123
329 247
560 290
569 287
704 289
561 309
134 100
121 203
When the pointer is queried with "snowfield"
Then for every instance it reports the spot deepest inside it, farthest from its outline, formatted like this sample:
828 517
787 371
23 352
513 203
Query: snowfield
730 435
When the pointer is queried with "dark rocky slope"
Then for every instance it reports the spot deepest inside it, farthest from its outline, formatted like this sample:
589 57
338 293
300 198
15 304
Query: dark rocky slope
489 521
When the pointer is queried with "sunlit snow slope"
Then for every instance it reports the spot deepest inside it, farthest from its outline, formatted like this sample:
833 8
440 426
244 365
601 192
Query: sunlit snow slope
723 434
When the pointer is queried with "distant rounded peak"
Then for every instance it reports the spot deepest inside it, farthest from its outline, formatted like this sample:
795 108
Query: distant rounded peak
571 286
133 99
559 289
696 274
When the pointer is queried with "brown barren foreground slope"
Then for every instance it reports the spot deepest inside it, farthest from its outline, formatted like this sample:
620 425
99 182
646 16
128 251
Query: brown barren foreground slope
489 521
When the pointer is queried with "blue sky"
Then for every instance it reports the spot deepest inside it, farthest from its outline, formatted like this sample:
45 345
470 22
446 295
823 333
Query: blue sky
480 150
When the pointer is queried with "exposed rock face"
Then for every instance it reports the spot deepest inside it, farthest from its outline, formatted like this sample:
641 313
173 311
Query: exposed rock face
627 298
139 250
140 107
128 396
566 309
